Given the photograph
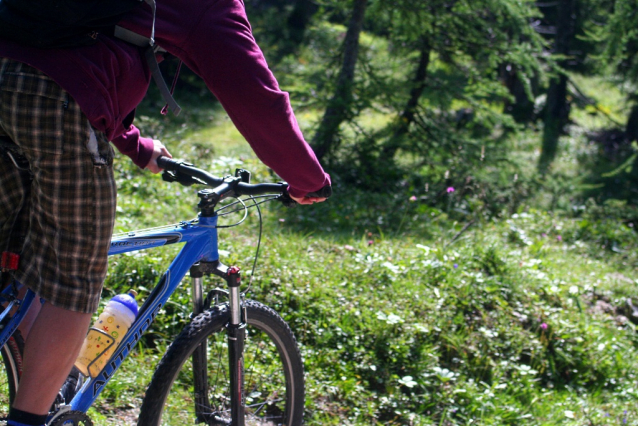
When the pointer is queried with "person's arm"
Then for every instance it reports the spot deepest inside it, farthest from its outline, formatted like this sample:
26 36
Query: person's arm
143 151
221 49
158 150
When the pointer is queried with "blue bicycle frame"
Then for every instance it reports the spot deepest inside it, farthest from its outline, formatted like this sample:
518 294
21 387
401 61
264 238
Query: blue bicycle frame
200 255
201 245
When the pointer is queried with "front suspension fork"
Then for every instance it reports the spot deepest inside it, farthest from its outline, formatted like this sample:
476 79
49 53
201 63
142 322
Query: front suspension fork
236 337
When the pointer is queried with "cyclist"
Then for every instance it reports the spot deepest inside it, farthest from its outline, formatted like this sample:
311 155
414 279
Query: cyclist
59 108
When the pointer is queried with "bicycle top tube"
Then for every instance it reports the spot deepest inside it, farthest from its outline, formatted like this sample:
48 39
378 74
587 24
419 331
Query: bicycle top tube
180 233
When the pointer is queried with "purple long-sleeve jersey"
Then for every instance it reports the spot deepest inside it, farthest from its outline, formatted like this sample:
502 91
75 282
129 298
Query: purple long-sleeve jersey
214 39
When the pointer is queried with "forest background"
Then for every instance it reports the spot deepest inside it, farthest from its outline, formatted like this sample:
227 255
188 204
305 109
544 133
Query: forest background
477 263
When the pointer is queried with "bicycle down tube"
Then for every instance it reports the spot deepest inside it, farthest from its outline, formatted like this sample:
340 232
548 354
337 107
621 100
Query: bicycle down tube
200 245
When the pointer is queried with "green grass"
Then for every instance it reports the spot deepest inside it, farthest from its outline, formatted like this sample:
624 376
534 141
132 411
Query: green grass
411 308
408 317
435 331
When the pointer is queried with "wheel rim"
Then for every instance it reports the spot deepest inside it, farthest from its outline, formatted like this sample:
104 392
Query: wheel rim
266 383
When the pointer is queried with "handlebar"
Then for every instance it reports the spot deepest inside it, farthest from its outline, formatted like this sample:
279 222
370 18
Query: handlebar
223 186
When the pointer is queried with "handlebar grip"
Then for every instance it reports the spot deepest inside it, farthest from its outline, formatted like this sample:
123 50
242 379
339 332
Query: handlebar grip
167 163
324 192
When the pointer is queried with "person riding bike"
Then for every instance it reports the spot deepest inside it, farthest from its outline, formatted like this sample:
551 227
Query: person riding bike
59 108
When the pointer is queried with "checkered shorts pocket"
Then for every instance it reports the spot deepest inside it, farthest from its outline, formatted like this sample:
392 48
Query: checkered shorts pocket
39 107
59 215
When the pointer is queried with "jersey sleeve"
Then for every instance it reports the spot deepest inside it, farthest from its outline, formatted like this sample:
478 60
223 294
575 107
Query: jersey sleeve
222 50
137 148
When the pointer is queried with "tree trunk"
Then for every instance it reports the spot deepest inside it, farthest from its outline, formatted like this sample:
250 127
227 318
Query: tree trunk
522 108
557 107
326 140
631 130
556 115
299 18
291 35
407 116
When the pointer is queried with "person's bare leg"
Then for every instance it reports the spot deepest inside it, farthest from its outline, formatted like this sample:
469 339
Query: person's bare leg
55 339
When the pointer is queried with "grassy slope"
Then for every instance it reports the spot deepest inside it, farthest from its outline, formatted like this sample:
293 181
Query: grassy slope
525 320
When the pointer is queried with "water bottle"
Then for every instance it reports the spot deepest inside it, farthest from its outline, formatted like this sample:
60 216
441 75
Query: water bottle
107 333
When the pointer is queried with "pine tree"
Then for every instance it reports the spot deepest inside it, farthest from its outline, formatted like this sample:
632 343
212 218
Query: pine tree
621 41
475 38
566 25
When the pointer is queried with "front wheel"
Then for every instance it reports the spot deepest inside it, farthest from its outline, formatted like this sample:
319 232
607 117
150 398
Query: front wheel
273 379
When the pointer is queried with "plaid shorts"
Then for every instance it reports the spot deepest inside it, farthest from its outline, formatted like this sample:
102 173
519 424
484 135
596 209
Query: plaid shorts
58 211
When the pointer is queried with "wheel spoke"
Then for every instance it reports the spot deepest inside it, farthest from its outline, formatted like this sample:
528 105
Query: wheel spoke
273 380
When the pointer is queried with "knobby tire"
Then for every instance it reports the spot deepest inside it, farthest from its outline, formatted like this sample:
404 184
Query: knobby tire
274 379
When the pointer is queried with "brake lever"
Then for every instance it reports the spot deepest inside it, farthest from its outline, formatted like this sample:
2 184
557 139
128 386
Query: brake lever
181 178
286 200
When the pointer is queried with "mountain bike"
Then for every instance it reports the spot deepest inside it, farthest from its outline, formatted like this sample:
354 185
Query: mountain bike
236 363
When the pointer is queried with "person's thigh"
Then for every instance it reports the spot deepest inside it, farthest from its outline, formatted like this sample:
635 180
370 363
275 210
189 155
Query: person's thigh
71 203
